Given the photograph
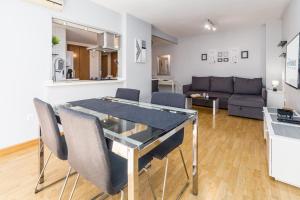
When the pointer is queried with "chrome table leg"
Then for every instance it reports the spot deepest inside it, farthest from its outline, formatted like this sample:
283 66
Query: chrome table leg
165 178
195 156
133 173
36 190
122 195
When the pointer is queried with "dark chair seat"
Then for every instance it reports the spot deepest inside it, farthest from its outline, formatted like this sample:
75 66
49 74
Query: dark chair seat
174 100
64 155
168 145
119 169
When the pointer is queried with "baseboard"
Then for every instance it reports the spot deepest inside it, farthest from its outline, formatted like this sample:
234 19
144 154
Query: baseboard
18 147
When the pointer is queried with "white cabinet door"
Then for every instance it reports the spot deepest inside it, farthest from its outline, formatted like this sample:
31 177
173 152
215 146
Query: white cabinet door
286 160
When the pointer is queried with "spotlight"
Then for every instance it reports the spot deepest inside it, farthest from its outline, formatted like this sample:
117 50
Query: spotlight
209 25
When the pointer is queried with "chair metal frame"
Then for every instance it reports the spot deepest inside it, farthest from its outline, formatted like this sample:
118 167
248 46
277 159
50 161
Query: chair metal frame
102 193
42 171
166 174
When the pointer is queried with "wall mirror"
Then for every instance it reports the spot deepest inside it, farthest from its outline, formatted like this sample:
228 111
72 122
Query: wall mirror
163 68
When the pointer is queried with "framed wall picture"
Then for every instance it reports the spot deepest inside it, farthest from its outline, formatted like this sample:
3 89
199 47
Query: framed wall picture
163 67
244 54
225 59
225 54
220 60
140 51
204 57
220 54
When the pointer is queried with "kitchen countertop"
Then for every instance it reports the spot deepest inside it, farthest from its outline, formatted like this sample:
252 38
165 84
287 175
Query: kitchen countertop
81 82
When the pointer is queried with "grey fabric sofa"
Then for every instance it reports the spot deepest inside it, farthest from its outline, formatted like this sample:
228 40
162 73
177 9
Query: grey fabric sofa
242 97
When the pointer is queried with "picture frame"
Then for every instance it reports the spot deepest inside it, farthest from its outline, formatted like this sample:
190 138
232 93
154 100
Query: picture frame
220 60
140 51
220 54
225 54
163 65
244 54
204 57
225 59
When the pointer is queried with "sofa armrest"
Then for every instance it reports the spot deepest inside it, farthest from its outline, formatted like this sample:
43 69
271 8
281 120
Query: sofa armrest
186 88
264 95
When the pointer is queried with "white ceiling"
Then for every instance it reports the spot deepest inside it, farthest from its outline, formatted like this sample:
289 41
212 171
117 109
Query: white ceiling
186 17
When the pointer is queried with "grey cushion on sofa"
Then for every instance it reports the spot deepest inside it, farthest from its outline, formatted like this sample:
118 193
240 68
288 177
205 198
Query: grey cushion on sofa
247 100
200 83
248 86
221 84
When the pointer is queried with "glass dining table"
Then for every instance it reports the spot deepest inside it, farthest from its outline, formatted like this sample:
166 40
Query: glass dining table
134 129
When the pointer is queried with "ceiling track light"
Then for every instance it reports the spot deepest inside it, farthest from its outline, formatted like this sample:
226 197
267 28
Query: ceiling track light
209 25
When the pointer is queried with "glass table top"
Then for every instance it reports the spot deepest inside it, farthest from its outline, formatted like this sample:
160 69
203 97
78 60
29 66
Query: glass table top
127 132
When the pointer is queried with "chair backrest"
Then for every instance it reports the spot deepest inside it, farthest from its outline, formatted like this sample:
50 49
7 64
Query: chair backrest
87 149
155 86
50 131
168 99
173 100
128 94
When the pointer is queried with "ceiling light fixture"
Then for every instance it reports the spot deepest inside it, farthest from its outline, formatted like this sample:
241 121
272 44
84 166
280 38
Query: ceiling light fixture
209 25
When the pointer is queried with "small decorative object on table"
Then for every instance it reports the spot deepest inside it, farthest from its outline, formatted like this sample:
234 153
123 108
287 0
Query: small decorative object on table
195 95
275 84
284 113
287 116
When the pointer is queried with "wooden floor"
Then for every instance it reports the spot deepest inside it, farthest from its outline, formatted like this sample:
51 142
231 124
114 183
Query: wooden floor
232 165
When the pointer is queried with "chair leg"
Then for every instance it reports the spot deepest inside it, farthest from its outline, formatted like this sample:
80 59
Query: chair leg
122 195
74 186
65 183
186 173
148 178
165 178
184 165
36 190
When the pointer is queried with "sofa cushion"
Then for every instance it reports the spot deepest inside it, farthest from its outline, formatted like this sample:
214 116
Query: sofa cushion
221 84
248 86
220 95
200 83
246 100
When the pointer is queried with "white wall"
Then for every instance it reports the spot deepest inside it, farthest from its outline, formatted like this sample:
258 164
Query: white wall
274 63
26 60
186 56
138 75
290 27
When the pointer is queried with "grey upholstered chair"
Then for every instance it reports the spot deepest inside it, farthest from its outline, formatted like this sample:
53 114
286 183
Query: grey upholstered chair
89 155
162 151
50 134
128 94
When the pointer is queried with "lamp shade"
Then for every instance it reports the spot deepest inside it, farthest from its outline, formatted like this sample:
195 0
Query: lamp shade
275 83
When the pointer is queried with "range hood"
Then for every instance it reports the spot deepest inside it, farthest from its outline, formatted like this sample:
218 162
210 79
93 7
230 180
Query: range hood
106 42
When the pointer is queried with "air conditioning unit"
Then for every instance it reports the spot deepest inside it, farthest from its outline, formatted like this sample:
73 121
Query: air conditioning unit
53 4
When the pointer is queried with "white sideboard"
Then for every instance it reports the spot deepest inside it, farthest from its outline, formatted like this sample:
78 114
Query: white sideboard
166 83
283 148
275 99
